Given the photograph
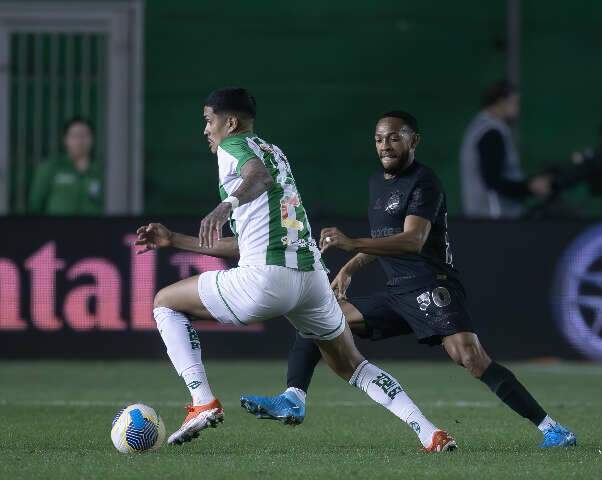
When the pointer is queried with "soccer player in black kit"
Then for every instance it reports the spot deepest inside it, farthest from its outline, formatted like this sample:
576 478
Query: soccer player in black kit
423 294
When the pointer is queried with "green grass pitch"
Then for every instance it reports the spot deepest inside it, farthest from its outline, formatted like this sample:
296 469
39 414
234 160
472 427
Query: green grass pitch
56 416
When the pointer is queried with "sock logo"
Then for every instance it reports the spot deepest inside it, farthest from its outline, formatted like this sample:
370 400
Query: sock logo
415 426
388 385
193 336
195 384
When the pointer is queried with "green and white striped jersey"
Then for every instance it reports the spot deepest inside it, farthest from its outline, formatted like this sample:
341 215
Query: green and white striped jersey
273 229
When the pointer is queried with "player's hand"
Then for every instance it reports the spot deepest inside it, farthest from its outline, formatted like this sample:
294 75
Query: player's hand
153 236
211 225
541 186
340 284
333 237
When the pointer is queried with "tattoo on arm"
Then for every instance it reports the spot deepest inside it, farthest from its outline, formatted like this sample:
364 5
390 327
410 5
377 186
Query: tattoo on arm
256 181
359 261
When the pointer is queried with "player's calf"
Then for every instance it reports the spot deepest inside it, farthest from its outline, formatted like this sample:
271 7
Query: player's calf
465 349
341 354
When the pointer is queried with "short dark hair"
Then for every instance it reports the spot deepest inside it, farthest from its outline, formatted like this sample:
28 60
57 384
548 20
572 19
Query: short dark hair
74 121
496 92
408 118
232 100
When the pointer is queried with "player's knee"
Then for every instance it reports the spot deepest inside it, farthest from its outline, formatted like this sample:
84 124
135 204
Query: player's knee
474 359
161 298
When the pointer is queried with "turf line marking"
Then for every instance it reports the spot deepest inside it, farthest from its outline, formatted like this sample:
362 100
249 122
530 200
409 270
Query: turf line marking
332 404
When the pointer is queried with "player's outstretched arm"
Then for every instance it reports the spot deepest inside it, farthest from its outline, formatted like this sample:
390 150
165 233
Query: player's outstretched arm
155 235
415 232
341 282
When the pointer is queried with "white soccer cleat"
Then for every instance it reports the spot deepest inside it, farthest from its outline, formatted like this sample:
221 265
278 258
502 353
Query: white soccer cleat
198 418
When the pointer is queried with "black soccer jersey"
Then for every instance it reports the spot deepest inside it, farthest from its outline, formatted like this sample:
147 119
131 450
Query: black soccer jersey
417 191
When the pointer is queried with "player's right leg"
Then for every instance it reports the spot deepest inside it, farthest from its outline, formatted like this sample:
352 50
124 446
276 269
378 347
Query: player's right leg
343 357
318 316
289 406
368 317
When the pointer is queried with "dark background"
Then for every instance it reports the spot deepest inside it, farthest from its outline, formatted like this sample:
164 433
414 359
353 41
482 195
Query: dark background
508 269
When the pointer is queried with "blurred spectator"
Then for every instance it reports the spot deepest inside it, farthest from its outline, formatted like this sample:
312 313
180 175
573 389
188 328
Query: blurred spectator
70 184
493 184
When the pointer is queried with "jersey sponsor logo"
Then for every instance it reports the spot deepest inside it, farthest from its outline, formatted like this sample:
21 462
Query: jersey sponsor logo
385 231
300 243
577 297
288 222
424 300
441 297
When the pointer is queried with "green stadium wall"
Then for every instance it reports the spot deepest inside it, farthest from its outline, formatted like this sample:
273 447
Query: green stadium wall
322 72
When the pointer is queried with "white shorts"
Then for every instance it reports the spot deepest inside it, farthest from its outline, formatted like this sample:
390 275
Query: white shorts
245 295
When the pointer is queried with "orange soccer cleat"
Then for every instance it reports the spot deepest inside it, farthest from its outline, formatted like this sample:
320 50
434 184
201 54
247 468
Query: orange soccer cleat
441 442
198 418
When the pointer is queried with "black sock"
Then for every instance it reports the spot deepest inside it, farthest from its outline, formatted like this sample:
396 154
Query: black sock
302 359
504 384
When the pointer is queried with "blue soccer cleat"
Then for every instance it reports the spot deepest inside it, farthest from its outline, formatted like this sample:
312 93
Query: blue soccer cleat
286 408
558 436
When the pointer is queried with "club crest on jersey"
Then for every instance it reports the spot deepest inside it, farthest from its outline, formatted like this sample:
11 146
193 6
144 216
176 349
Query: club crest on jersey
424 300
393 203
441 297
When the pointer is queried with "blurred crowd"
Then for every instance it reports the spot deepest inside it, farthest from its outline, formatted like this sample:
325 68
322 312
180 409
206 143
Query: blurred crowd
493 183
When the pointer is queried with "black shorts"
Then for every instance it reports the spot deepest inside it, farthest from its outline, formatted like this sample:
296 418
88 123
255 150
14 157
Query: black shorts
431 313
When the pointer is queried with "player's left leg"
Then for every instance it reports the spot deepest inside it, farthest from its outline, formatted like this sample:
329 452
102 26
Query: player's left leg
172 306
465 349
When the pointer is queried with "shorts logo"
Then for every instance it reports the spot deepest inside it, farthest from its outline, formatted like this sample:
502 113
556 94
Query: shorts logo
424 300
441 297
415 426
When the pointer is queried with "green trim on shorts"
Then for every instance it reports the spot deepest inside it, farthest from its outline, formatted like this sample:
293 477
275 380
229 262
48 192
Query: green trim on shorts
327 333
219 290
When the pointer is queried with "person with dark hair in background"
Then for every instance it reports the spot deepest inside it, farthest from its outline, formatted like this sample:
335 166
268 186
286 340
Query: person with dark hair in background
70 184
493 184
423 294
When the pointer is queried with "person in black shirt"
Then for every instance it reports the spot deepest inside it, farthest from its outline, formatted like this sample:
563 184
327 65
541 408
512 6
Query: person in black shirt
423 295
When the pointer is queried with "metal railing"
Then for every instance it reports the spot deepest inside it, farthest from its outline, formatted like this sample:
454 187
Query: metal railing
53 77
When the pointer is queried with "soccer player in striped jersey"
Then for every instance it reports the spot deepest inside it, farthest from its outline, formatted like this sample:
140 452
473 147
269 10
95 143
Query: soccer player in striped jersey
280 273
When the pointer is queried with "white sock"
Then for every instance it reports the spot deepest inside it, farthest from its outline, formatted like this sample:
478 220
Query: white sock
385 389
197 384
184 350
546 422
298 392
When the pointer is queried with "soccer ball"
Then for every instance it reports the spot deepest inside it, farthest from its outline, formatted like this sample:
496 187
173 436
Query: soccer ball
137 428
